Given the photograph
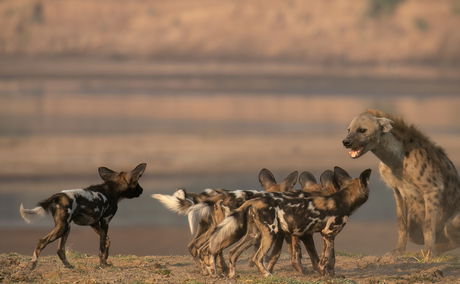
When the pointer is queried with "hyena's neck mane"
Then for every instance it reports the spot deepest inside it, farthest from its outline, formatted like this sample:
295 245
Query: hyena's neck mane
405 137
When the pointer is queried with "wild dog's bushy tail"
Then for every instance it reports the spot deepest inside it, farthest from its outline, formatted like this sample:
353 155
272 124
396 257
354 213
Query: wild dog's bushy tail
39 211
198 213
29 214
231 229
179 202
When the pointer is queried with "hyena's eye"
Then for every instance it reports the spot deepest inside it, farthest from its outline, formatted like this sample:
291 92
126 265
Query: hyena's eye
361 130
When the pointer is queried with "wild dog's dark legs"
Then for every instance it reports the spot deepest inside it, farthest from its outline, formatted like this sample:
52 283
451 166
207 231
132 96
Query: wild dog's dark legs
61 248
61 227
296 253
265 244
251 238
101 229
276 250
311 250
327 262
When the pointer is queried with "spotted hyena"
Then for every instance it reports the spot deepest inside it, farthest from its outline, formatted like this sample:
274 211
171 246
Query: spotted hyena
424 181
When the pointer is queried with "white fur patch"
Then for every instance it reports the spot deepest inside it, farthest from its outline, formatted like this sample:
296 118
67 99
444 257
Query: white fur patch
28 214
327 229
284 225
195 214
172 202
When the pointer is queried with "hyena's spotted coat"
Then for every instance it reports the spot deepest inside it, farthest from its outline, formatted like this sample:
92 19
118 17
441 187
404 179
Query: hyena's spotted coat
426 184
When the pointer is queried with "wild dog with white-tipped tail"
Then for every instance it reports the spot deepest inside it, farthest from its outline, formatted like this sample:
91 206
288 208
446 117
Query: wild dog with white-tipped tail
279 214
93 206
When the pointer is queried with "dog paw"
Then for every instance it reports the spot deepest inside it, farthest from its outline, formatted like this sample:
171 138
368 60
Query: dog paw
32 265
69 266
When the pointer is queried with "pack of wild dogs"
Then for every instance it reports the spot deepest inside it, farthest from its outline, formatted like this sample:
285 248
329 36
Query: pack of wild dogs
225 223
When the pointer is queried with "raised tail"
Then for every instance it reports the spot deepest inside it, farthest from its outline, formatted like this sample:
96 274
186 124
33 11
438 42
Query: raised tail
179 202
29 214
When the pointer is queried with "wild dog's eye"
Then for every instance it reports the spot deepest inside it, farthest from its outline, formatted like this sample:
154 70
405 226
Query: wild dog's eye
361 130
348 130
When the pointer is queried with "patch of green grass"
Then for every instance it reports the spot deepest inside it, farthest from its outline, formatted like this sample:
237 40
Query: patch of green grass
164 272
76 254
421 24
285 280
192 281
348 254
379 8
421 257
455 8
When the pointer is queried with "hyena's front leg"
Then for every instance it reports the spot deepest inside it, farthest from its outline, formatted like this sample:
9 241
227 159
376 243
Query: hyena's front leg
430 223
402 220
101 229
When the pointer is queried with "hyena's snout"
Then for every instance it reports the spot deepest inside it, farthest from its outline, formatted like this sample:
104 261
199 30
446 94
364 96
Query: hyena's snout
347 142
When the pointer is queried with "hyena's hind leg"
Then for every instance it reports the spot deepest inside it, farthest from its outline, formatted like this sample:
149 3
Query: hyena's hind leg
60 230
451 233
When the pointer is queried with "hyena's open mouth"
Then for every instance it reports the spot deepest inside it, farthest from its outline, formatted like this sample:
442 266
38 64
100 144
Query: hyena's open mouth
355 153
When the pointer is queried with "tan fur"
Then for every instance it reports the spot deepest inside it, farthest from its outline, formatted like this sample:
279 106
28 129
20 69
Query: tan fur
425 182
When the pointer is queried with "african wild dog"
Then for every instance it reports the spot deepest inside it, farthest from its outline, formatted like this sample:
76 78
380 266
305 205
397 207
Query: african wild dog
276 214
200 209
425 183
326 186
308 185
93 206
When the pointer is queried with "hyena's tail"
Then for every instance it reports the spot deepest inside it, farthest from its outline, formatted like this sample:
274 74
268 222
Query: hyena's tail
231 229
198 213
29 214
179 202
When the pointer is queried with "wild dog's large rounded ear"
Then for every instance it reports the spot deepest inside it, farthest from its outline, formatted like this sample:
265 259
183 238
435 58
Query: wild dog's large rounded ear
266 178
385 124
307 180
106 174
138 171
341 176
364 176
291 180
328 181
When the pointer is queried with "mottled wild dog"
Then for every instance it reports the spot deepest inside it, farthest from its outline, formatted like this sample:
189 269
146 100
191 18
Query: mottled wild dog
308 184
283 213
425 183
201 207
93 206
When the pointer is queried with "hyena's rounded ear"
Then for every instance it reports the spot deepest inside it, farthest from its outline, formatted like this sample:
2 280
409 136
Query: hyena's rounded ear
138 171
307 180
364 176
106 174
341 176
385 124
291 180
328 181
266 178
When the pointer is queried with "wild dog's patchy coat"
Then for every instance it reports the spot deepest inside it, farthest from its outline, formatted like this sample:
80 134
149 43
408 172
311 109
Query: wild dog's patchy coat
93 206
295 215
425 183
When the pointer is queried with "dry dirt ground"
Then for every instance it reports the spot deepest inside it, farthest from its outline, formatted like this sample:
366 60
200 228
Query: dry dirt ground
350 268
